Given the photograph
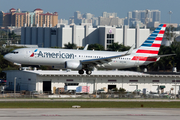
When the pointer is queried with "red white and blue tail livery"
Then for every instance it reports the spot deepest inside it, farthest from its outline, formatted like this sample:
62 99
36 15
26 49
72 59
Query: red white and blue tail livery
86 60
149 50
152 45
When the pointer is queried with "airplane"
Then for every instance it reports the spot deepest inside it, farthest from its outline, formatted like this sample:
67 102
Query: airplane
87 60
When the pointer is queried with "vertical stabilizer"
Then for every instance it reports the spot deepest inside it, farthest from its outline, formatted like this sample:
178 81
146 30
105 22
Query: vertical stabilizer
152 44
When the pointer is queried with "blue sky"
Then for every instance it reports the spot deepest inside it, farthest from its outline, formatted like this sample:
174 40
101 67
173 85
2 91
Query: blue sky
66 8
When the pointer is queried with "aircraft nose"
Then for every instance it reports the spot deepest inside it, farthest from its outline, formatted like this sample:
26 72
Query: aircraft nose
7 56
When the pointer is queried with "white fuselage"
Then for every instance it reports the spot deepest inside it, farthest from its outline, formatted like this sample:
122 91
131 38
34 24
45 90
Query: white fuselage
58 57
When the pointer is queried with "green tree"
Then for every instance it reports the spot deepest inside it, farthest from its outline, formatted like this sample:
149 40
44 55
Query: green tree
169 33
118 47
70 46
12 35
166 63
2 33
114 47
4 64
95 47
122 90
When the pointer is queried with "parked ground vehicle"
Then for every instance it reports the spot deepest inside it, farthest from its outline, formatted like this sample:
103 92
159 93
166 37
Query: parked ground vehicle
101 91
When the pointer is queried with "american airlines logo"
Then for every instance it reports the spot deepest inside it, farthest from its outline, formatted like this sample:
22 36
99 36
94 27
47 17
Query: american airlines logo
53 55
32 55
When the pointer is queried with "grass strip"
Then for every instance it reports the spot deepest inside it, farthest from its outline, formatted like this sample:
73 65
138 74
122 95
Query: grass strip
69 104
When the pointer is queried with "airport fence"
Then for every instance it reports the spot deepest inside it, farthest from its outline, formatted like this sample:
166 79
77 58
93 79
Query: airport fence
49 95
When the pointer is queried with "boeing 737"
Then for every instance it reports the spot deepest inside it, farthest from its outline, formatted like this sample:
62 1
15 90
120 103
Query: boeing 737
86 60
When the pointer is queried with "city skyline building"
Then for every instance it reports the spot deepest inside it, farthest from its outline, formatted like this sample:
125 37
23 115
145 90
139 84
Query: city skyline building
20 18
110 19
79 18
143 16
109 15
63 21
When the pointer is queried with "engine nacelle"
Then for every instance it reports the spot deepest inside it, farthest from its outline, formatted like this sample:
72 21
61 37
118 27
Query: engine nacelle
73 64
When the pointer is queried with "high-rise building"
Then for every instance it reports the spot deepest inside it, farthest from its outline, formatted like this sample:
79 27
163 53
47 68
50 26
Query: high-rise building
135 14
77 15
156 15
63 21
79 18
107 15
143 16
18 18
110 19
88 16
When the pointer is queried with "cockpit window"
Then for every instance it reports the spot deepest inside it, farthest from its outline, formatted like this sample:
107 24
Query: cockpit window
15 52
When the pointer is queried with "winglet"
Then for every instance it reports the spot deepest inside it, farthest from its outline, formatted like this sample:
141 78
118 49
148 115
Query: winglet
130 50
86 47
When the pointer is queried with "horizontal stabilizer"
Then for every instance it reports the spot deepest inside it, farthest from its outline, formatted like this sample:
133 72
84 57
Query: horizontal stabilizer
161 55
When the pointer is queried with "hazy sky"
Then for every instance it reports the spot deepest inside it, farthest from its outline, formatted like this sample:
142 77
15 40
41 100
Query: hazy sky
66 8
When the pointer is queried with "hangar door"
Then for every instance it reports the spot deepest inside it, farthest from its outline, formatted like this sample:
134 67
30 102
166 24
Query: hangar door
110 87
46 86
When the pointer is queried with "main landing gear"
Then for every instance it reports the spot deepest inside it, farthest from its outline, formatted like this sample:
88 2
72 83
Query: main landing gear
81 72
88 72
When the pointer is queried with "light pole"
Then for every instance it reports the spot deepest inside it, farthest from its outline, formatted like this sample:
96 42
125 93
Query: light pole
170 12
175 88
15 87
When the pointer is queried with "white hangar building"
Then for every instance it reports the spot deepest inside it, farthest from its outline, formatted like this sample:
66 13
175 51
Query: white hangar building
42 81
82 35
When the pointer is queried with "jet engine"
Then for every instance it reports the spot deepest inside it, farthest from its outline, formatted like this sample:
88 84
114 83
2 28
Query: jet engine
72 64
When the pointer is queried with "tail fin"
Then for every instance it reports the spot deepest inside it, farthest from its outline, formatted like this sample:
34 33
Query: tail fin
152 45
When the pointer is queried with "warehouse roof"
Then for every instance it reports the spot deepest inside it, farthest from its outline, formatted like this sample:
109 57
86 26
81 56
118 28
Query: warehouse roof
109 73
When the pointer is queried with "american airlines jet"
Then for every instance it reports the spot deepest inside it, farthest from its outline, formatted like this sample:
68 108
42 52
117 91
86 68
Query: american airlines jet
86 60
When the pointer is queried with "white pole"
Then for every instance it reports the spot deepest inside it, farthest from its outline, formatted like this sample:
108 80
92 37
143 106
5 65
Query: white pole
175 88
170 12
15 86
96 87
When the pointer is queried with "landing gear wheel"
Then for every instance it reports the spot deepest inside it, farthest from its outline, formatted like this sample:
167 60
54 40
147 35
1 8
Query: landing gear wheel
81 72
88 72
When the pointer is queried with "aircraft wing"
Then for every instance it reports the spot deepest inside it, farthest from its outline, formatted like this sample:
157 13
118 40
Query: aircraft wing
107 59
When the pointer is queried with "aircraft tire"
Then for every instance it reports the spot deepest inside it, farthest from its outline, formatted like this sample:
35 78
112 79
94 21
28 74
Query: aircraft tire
88 72
81 72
